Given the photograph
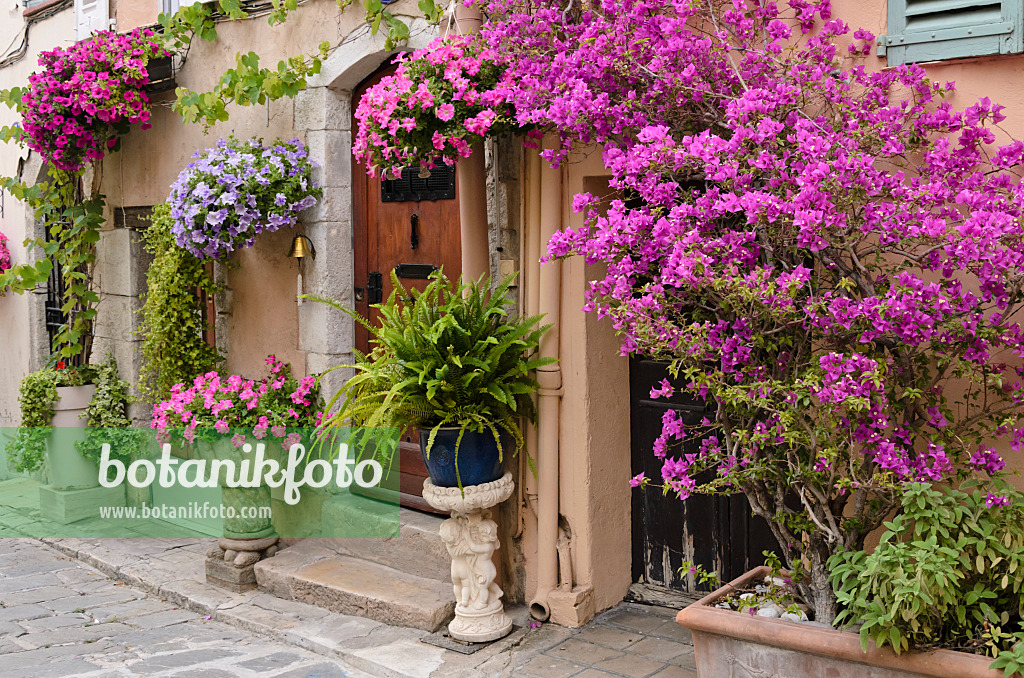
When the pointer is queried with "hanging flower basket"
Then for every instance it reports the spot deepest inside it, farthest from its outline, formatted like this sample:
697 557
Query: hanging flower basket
238 189
161 74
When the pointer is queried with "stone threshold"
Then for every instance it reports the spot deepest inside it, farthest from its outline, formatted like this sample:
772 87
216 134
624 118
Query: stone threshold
173 569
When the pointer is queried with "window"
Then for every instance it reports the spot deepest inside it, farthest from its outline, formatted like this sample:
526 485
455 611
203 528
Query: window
930 30
172 6
90 16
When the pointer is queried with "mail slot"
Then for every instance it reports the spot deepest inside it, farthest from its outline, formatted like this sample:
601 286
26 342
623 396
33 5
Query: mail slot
415 271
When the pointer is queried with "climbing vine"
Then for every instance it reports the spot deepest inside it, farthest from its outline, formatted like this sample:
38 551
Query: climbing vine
172 324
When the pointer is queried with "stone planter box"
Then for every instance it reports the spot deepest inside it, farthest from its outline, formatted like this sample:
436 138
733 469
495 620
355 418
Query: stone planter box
734 645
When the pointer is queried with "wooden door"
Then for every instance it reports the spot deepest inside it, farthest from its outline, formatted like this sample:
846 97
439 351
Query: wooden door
410 226
719 532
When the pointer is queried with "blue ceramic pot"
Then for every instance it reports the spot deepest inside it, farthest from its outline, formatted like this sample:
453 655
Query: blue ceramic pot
478 457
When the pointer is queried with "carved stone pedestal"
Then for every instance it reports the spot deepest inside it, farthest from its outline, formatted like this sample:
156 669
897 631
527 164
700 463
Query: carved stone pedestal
472 538
229 562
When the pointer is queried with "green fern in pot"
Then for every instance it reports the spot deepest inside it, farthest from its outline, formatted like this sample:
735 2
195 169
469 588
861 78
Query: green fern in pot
452 362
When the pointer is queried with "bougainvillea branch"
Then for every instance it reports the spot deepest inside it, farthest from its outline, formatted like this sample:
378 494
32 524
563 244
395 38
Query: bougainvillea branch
831 256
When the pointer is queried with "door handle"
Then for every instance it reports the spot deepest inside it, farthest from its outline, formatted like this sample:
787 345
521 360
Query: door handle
414 237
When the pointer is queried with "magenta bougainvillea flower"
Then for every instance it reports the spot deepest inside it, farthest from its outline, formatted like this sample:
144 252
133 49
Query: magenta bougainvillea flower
238 189
439 102
87 95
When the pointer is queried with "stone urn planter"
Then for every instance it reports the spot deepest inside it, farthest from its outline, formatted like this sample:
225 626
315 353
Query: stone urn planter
248 534
730 644
66 467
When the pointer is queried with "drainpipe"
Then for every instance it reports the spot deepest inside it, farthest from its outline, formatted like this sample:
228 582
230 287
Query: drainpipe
549 395
471 174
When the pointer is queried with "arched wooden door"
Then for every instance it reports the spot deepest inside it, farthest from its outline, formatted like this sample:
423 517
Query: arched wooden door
410 226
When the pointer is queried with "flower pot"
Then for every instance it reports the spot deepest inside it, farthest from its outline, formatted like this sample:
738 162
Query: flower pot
66 467
730 643
246 509
161 75
478 457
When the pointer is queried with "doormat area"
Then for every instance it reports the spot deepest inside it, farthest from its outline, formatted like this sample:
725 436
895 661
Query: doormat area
443 640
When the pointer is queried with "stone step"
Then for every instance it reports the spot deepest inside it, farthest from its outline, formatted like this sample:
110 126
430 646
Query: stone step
318 576
417 550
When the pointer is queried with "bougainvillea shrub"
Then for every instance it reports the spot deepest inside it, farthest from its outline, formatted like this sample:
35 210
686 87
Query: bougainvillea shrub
87 95
237 190
830 255
439 102
218 404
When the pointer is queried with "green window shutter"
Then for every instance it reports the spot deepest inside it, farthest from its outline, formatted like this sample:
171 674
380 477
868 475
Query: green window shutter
930 30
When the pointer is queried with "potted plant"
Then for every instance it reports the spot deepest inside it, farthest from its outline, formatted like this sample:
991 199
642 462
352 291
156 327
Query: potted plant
66 415
5 256
218 414
238 189
450 362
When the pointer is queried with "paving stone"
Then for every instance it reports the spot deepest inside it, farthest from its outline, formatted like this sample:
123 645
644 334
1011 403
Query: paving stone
177 660
544 666
74 635
91 600
582 652
594 673
271 662
675 672
661 649
27 583
128 610
29 659
11 629
42 595
673 631
166 618
57 622
631 619
205 673
23 612
37 567
322 670
65 667
633 666
610 636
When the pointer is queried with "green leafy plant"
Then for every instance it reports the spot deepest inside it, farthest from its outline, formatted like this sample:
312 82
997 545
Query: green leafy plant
948 572
449 356
172 323
107 418
37 395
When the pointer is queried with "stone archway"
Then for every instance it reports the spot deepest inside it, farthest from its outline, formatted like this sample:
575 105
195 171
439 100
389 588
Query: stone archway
324 112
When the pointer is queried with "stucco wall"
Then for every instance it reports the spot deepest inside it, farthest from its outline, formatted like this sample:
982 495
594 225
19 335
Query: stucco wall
16 333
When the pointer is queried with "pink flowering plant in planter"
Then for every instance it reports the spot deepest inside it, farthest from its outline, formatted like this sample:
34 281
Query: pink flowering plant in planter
86 96
216 405
831 256
439 102
237 190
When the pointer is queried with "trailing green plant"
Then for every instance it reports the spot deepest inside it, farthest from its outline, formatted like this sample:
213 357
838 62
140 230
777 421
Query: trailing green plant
73 224
449 356
948 572
172 323
107 418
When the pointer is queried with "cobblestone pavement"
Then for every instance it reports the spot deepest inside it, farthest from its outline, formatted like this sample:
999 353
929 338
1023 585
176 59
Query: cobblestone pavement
62 618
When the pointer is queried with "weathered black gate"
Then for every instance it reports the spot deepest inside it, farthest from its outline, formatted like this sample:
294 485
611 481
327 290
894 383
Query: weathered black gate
719 533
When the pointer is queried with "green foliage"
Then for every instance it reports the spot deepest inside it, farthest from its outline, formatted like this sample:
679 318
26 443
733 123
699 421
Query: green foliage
171 327
107 417
37 395
948 572
249 84
74 226
449 356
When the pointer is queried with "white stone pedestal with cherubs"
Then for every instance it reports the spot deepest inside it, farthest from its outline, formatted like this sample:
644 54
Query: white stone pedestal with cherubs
472 538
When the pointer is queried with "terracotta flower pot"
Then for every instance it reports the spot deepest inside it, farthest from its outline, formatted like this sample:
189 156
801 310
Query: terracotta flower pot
67 469
738 645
